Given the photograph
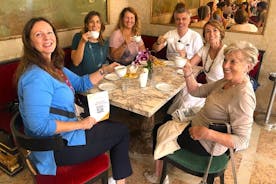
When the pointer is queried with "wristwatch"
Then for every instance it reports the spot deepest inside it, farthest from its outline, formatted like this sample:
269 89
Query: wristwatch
101 71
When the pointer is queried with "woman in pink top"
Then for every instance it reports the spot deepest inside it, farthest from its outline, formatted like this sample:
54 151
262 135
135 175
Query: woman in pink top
123 45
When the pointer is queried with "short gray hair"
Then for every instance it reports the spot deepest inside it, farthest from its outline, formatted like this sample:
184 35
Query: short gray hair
249 51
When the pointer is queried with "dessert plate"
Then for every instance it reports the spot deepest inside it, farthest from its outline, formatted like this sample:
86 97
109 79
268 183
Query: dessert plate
180 72
112 77
162 86
107 86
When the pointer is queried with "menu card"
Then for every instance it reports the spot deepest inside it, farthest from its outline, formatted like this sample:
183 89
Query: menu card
98 104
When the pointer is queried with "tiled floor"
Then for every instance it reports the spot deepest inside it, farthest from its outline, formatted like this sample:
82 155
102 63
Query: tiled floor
256 165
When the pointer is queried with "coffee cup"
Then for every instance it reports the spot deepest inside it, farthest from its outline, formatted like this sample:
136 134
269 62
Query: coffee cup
137 38
180 46
133 69
94 34
120 70
180 62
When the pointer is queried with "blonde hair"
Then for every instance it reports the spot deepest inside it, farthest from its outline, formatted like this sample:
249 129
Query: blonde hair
120 24
249 51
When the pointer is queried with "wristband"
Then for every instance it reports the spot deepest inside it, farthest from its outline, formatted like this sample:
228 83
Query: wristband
187 76
101 71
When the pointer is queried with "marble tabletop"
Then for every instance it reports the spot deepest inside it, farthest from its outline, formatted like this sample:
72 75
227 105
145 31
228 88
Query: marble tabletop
145 101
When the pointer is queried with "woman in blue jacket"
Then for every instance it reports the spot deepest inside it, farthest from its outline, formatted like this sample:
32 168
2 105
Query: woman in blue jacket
43 84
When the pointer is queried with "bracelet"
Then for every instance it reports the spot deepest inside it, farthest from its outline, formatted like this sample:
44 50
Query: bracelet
101 71
187 76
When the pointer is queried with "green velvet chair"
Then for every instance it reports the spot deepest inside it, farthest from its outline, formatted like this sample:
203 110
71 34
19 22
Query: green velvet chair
196 165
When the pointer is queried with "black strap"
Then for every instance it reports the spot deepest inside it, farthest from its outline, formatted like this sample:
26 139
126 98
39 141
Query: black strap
62 112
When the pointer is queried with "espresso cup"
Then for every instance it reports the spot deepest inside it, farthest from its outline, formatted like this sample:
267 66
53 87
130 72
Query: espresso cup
180 62
120 70
94 34
137 38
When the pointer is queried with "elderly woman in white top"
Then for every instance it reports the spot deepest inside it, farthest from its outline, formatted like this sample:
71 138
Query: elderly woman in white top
231 99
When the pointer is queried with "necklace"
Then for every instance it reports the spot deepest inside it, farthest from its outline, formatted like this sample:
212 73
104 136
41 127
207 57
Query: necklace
96 54
212 60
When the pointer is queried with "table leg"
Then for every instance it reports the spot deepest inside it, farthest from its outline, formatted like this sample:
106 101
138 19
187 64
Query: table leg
141 139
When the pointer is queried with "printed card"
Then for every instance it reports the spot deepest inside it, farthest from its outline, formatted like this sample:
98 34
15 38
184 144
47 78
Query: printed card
99 107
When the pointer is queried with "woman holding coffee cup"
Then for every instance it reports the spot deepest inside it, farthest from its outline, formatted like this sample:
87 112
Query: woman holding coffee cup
125 42
89 48
211 56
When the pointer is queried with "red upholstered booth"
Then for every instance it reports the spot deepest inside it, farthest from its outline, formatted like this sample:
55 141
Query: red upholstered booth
7 92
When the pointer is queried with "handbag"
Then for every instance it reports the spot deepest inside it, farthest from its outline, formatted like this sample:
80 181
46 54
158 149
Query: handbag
224 128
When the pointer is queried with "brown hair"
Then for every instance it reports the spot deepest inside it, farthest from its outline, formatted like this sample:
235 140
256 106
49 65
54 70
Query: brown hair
241 16
203 12
31 56
86 22
217 25
120 23
179 8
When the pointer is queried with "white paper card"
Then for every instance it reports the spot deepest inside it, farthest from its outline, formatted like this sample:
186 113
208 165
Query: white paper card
98 104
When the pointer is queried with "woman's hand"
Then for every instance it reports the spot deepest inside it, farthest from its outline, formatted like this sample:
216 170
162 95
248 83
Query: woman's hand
110 68
87 123
85 36
199 132
187 69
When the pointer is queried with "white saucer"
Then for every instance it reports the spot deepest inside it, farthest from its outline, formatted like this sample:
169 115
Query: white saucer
112 77
107 86
180 72
162 86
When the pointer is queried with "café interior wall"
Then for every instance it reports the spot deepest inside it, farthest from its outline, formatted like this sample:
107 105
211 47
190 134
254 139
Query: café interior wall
11 49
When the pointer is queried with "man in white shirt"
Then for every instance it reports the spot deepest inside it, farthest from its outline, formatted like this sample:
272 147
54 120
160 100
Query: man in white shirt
192 43
191 40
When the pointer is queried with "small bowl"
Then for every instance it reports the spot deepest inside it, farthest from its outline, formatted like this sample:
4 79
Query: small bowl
180 62
94 34
137 38
120 70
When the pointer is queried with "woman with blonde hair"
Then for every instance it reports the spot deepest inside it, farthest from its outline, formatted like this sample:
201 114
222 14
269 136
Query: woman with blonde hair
122 42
